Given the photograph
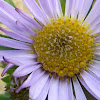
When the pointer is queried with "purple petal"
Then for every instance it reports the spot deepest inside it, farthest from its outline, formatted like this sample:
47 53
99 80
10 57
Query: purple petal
78 91
14 44
16 81
75 9
93 13
95 29
85 8
15 35
70 91
58 8
85 85
46 7
25 28
63 90
51 8
9 16
53 92
12 61
6 69
45 90
95 68
35 90
16 53
36 25
23 60
26 69
92 83
68 7
36 11
53 5
23 78
93 24
32 79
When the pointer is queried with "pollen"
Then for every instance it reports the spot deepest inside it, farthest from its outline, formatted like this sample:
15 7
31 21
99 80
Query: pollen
64 47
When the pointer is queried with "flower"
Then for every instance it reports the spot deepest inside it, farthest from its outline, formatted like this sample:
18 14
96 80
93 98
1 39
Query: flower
58 51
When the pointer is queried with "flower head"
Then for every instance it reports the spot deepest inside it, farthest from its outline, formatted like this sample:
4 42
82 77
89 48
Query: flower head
56 50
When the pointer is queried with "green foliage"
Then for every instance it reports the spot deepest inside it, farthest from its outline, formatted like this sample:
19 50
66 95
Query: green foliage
6 79
10 2
9 79
4 96
6 48
1 35
63 2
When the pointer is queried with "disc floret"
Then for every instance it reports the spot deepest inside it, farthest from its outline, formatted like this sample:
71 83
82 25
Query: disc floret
64 47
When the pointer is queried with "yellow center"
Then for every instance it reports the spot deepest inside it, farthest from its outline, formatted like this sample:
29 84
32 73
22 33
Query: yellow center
64 47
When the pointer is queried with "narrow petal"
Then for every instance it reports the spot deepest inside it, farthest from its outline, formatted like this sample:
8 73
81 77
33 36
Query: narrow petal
53 5
15 53
75 9
14 44
52 8
36 11
53 92
78 91
16 36
6 69
25 28
23 78
97 52
68 7
45 5
85 8
93 13
26 69
95 68
30 80
63 90
12 61
12 25
93 24
16 81
35 90
9 14
95 29
92 83
10 10
23 60
45 90
70 91
87 88
58 8
36 25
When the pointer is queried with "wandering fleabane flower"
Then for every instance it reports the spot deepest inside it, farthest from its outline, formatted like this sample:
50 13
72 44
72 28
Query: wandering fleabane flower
58 51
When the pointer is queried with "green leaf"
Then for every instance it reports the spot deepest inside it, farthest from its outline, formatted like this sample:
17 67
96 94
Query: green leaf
6 48
11 70
6 79
1 35
10 2
63 2
4 96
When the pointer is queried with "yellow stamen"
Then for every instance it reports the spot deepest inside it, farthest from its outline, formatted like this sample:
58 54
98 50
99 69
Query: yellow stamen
64 47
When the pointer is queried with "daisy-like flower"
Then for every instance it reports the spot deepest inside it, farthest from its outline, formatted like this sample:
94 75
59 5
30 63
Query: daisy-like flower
58 51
